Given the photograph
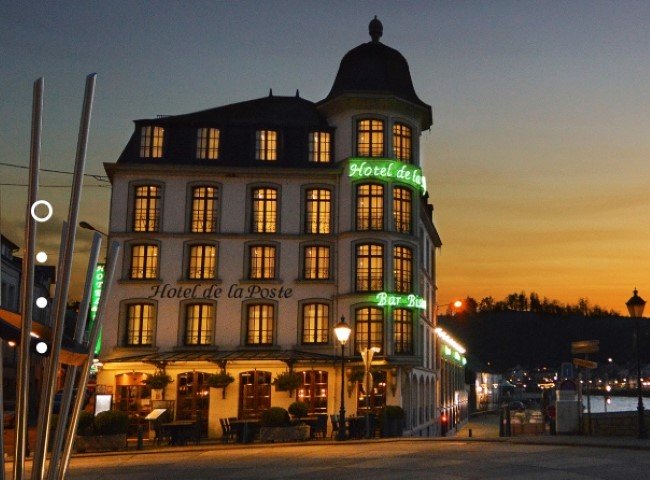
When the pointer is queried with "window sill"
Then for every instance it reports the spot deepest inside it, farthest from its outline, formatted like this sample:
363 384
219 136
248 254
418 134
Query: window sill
136 281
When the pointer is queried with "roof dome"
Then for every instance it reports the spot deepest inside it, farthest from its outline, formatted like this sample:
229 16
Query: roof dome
375 68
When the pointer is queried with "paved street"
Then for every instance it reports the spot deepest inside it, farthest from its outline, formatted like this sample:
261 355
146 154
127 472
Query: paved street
377 460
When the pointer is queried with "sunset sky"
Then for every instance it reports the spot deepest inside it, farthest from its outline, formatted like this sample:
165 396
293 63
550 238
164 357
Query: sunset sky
538 161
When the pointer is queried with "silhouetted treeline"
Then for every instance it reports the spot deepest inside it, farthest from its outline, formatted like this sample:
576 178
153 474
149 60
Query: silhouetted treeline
520 302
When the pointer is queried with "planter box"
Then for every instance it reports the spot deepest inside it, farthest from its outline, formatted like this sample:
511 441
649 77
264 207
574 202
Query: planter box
98 443
298 433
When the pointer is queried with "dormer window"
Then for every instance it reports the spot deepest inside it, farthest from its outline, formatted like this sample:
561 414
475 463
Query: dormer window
370 138
319 147
151 141
402 142
207 143
266 145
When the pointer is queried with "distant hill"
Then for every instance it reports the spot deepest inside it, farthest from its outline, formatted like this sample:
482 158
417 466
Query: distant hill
508 338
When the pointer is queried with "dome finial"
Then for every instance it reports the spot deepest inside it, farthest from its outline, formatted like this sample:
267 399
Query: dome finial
376 29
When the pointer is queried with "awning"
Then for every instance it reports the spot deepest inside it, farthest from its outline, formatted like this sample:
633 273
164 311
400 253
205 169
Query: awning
288 356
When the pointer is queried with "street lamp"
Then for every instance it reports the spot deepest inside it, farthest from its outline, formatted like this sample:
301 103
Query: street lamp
88 226
342 331
635 306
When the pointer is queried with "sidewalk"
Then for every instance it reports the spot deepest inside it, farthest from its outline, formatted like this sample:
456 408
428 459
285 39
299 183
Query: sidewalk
486 428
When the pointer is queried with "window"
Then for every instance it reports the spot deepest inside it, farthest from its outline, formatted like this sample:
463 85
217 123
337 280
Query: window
313 391
207 143
151 141
318 210
266 145
368 328
259 324
203 260
144 261
319 147
254 393
317 263
262 262
198 324
402 142
403 269
146 209
403 331
204 210
370 138
402 209
370 268
139 327
370 207
265 210
315 323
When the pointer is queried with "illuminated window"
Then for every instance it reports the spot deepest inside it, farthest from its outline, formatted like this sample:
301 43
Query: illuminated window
204 209
370 207
318 210
139 327
370 268
368 328
265 210
146 209
317 263
144 261
203 261
151 141
207 143
402 142
402 209
313 391
315 323
319 147
403 269
259 324
266 145
262 263
370 138
198 324
254 393
402 331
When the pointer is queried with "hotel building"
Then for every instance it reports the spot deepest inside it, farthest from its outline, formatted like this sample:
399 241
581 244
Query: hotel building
248 231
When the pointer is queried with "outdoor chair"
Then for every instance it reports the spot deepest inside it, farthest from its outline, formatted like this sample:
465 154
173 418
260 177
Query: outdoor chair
228 432
335 424
320 427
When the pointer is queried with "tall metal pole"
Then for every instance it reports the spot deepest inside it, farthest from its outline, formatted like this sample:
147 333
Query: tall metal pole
342 433
47 400
27 285
639 389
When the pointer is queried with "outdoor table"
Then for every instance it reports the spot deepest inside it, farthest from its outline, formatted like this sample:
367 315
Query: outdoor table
356 426
179 431
245 429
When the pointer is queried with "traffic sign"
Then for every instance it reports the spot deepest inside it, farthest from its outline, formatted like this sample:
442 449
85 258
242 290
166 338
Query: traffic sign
579 362
584 346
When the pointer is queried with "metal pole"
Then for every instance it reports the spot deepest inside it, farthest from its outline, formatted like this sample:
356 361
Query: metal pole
342 432
38 467
2 411
71 373
85 372
639 386
27 285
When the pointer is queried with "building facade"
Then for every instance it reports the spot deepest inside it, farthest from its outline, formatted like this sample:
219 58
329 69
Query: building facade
249 230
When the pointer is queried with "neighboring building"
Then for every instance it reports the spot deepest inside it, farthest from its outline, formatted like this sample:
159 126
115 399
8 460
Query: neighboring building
249 230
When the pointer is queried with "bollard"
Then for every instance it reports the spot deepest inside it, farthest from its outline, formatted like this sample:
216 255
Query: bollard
139 445
502 432
470 433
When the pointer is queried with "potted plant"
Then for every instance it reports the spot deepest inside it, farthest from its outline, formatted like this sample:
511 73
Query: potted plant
220 380
158 381
287 381
299 410
275 426
392 421
106 431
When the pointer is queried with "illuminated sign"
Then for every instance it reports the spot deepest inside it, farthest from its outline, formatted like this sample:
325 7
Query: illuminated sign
454 355
95 294
400 300
385 169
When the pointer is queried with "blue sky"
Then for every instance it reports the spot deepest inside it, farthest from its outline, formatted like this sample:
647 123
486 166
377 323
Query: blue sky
537 162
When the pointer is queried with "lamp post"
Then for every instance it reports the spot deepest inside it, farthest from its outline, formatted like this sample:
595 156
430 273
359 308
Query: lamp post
635 306
342 331
88 226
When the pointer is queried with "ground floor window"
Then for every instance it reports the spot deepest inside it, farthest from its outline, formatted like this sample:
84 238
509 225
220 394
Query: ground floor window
314 390
376 400
193 398
254 393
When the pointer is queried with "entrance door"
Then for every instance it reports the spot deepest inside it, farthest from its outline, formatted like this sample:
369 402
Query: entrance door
254 393
193 398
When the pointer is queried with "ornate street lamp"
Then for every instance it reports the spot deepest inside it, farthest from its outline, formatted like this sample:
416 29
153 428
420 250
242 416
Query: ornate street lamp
635 306
342 331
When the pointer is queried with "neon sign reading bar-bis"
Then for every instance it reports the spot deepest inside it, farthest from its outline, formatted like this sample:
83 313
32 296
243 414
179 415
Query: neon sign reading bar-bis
386 169
399 300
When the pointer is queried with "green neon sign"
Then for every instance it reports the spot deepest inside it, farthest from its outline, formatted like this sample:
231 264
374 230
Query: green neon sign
400 300
95 295
386 169
454 355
